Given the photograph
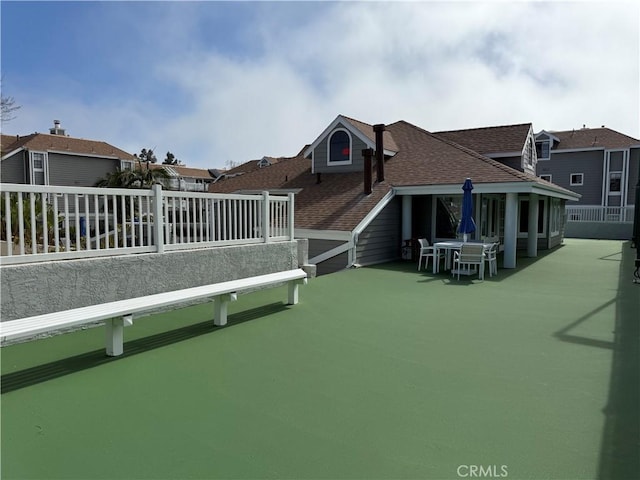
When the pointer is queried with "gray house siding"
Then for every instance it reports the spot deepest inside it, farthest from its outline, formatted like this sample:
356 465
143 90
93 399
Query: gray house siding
380 241
12 169
77 170
320 156
589 163
555 241
337 263
513 162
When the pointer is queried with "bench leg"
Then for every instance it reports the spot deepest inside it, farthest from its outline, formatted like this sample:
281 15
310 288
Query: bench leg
293 290
114 333
220 304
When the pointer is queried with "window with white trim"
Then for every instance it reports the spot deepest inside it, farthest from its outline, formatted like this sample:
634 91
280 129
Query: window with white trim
529 153
576 179
543 149
339 147
126 165
546 176
615 183
38 168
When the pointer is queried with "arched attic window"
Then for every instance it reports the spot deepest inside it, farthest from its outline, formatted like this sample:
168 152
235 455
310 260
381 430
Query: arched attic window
339 148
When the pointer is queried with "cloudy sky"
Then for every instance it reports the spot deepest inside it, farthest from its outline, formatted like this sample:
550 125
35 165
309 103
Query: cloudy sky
219 82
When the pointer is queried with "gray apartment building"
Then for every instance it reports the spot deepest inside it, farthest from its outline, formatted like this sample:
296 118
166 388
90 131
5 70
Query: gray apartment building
598 163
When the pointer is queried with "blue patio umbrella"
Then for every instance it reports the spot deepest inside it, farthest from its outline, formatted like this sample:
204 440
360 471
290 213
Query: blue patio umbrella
467 225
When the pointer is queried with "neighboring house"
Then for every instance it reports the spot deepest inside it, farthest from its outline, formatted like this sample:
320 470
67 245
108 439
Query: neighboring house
246 167
354 214
185 178
598 163
602 166
58 159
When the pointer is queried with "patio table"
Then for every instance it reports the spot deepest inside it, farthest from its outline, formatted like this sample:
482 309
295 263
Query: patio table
449 246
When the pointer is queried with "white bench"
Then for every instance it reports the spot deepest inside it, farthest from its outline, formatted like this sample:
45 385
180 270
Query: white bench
119 314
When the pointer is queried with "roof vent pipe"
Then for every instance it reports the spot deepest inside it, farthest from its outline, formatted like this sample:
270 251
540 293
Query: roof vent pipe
367 153
379 129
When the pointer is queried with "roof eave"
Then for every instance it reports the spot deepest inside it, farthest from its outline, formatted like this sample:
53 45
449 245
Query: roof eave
501 187
11 153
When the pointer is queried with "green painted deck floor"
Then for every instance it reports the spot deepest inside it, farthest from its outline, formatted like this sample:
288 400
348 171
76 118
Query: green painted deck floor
379 372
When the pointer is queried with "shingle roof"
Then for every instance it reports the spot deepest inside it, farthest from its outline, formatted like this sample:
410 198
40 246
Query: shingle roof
45 142
429 159
185 171
387 137
490 140
250 166
593 138
338 201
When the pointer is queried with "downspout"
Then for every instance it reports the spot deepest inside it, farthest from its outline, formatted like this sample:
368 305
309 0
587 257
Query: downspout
636 231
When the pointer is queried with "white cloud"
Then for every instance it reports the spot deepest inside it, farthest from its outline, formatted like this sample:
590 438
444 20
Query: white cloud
439 65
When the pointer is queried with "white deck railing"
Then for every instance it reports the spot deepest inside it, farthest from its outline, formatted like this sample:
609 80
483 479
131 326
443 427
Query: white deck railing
42 223
596 213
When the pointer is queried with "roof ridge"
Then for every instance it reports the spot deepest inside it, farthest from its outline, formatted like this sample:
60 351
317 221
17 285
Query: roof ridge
473 153
592 129
356 120
485 128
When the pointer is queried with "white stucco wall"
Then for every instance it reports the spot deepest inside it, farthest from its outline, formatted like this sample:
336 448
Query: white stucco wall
33 289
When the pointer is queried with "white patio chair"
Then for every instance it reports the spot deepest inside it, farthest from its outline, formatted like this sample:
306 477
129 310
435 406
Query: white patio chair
491 257
470 254
429 252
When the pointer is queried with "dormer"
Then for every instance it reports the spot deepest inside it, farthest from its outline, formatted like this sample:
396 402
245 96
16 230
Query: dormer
339 147
545 141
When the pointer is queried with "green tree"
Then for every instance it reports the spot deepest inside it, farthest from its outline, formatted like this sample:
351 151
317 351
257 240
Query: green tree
142 176
146 156
171 159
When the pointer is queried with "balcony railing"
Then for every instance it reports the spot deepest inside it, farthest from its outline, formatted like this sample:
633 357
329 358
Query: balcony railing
596 213
42 223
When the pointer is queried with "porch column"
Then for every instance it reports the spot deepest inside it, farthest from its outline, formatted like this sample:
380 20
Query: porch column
406 217
510 230
532 234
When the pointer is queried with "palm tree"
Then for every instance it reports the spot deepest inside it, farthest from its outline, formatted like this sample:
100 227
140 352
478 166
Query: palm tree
140 177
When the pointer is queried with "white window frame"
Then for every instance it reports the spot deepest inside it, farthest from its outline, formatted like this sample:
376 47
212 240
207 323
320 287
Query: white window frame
546 176
609 191
542 142
33 169
576 184
345 162
126 165
530 154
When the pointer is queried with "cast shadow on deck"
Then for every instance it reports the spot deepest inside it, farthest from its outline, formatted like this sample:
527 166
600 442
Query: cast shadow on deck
59 368
620 446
